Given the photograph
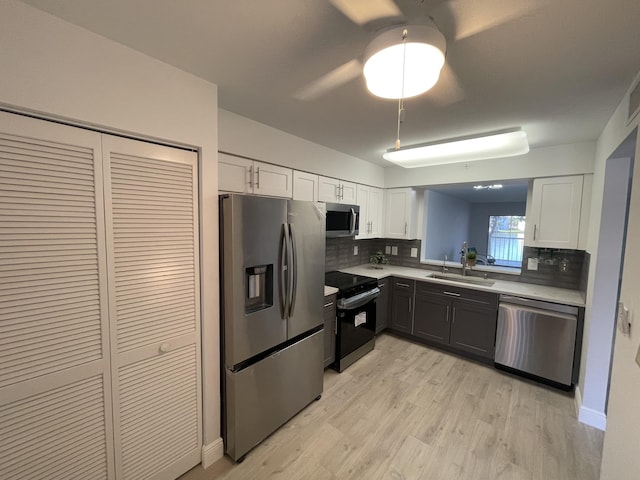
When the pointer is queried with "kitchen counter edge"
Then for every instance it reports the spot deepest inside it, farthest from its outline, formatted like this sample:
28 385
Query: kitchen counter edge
538 292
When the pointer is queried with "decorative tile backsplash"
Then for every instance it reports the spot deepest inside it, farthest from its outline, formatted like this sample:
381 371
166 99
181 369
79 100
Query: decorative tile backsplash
340 254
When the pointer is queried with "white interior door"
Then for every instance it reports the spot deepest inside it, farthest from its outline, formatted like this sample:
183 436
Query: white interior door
153 264
55 407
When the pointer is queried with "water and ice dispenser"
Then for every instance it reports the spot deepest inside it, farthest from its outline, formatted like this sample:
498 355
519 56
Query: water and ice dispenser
259 282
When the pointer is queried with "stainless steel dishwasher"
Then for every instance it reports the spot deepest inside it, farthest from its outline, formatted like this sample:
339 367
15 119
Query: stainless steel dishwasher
538 338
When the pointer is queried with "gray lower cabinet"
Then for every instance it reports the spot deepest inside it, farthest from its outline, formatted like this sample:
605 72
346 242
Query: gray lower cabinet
401 314
458 317
473 328
382 304
431 317
330 329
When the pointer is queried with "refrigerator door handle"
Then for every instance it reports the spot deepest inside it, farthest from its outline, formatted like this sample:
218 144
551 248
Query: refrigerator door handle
283 286
293 270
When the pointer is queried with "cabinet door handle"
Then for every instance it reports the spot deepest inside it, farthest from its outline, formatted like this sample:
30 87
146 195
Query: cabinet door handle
380 285
448 309
409 306
405 228
250 176
403 285
453 316
534 231
335 327
337 192
328 304
452 294
258 177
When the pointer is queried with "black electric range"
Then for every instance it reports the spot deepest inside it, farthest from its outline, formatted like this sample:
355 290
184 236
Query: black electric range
356 316
349 284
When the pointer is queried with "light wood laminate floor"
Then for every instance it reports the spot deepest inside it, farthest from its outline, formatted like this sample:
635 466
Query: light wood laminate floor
406 411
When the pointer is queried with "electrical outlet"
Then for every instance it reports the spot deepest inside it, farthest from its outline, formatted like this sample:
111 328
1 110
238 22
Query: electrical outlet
387 250
414 251
355 249
394 250
532 263
624 319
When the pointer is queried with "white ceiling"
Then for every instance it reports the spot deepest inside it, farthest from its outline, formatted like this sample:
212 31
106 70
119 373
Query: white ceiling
514 191
558 68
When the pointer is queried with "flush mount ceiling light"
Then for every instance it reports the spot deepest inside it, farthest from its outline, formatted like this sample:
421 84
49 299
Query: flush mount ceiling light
404 61
502 143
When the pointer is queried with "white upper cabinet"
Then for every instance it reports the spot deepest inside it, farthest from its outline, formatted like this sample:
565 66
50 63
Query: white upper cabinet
371 205
233 174
553 220
336 191
400 213
305 186
241 175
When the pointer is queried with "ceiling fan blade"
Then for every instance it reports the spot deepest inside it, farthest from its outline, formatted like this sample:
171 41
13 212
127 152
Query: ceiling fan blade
336 77
363 12
448 90
471 18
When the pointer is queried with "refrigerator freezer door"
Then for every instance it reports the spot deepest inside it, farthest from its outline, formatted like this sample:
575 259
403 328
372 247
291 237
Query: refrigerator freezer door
262 397
307 226
251 236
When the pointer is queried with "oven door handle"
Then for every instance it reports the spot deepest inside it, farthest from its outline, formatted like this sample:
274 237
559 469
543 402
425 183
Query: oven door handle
358 300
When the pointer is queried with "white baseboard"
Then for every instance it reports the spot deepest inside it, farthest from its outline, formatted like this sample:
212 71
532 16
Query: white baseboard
587 415
212 452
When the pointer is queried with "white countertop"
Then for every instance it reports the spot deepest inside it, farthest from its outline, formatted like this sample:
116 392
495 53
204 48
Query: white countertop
329 290
529 290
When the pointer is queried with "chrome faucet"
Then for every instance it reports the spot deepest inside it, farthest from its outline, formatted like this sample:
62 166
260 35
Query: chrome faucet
463 260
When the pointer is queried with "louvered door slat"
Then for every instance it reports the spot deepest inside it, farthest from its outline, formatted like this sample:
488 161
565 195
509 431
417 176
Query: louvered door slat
18 263
166 385
54 369
152 239
53 427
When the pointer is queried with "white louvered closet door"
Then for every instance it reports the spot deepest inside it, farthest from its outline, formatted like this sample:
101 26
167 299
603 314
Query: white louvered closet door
55 406
152 242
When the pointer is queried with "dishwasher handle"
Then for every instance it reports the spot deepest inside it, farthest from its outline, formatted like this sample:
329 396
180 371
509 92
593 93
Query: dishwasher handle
540 304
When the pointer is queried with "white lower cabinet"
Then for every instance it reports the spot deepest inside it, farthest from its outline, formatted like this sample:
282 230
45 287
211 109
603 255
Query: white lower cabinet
553 219
99 300
242 175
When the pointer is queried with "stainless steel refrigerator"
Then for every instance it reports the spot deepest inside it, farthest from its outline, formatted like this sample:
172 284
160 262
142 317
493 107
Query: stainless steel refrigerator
272 254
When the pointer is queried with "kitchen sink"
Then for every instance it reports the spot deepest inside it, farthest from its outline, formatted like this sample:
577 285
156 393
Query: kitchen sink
452 277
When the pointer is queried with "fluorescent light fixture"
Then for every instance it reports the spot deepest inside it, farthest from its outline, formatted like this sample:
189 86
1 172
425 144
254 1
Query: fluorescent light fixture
502 143
497 186
404 61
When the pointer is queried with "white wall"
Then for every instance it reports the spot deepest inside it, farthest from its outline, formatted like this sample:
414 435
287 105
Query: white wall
571 159
241 136
622 437
447 226
65 72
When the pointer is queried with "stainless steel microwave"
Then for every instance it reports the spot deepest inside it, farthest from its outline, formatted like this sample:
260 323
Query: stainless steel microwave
342 220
